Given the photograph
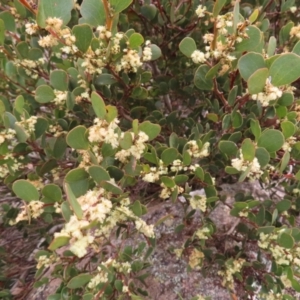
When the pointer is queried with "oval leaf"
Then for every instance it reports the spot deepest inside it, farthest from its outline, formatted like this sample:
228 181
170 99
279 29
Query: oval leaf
25 190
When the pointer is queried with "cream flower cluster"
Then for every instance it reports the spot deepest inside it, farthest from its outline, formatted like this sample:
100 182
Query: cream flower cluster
12 164
31 67
31 28
103 32
242 165
199 57
86 159
200 11
7 135
94 61
287 146
270 93
115 49
56 130
154 172
195 151
104 132
102 276
57 33
195 259
167 191
295 31
136 149
281 255
222 48
98 210
147 52
60 98
232 267
32 210
271 296
202 233
130 61
28 124
46 261
198 202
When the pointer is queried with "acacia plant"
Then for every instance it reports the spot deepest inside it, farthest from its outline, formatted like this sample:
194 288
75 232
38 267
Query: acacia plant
105 104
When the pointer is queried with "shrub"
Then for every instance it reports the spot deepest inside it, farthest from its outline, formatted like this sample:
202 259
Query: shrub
107 103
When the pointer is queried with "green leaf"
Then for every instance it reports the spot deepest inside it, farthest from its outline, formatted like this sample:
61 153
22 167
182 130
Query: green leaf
2 32
119 5
231 170
84 36
262 156
126 141
285 69
232 95
73 201
115 173
40 127
79 281
286 99
93 12
248 150
135 40
284 161
8 20
218 7
98 174
136 208
25 190
283 205
237 119
59 79
255 128
227 147
52 192
66 211
236 15
77 139
257 81
187 46
152 130
199 173
44 94
271 139
149 11
288 129
284 34
54 8
22 136
249 63
213 71
199 78
98 105
112 113
260 216
181 179
156 52
285 240
253 17
296 48
272 46
111 187
78 180
169 155
167 181
58 242
254 42
104 79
